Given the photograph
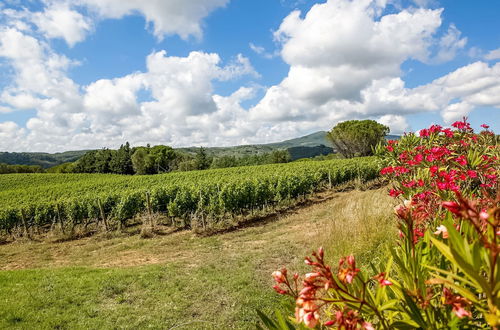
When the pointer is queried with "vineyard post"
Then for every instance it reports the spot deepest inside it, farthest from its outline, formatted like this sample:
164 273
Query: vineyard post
23 218
329 179
59 218
103 215
148 205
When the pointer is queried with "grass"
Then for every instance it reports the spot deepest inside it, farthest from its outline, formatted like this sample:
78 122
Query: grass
180 280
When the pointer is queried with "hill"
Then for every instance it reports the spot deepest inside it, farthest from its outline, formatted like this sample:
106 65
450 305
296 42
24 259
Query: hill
307 146
42 159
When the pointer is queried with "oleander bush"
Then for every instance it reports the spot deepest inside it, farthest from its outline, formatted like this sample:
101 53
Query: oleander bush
443 271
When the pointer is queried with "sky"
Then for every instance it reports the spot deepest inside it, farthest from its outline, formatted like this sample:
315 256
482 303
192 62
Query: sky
85 74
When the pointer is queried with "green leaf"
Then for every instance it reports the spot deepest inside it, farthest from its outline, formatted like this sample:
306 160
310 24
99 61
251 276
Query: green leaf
405 325
414 311
270 324
282 322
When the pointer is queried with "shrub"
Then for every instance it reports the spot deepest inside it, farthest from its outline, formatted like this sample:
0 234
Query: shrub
444 270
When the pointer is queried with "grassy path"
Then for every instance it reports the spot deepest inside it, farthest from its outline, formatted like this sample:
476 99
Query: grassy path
181 281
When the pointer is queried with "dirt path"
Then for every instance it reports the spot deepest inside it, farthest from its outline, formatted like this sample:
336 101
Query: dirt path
293 229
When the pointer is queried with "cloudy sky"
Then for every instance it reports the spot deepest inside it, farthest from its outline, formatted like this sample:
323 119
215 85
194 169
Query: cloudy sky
80 74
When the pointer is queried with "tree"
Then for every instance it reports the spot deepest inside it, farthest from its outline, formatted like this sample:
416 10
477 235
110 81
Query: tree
121 162
357 137
202 160
279 156
163 157
142 161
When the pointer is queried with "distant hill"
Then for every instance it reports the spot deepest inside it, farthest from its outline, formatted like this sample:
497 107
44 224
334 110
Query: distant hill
42 159
307 146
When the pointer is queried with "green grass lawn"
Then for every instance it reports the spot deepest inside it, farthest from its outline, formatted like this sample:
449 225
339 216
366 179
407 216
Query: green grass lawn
181 281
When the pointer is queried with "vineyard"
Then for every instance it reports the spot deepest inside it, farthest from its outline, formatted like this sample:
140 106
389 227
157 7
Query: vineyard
41 202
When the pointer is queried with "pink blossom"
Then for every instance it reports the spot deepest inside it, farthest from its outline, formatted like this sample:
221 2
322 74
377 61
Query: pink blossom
441 230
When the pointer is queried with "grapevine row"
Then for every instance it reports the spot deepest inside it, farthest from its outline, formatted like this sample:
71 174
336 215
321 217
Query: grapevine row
42 200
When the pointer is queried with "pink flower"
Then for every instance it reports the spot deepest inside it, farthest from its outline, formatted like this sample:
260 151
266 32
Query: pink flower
382 280
485 126
278 277
367 326
311 319
423 132
461 312
441 230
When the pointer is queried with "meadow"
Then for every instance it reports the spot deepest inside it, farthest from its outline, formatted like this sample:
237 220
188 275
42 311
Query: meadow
181 280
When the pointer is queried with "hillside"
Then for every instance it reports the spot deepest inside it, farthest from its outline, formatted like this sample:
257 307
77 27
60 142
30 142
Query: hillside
311 145
42 159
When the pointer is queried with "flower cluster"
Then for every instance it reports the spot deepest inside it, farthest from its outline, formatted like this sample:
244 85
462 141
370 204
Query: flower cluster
446 261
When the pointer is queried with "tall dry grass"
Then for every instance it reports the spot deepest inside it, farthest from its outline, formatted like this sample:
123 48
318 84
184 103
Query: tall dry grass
363 224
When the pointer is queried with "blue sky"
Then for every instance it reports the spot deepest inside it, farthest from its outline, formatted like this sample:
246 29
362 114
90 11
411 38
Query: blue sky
80 74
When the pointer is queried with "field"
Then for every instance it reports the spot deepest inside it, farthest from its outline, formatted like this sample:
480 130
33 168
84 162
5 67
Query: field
211 198
180 280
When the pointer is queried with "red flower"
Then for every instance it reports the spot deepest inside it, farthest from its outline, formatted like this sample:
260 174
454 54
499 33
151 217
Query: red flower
461 160
472 174
485 126
454 207
395 193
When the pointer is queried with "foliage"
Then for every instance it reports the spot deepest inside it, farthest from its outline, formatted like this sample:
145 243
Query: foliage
202 161
7 169
213 195
357 137
444 270
44 160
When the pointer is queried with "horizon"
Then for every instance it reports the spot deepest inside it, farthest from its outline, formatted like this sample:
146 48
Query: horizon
87 74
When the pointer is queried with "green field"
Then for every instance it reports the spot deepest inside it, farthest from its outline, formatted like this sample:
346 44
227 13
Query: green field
41 200
182 281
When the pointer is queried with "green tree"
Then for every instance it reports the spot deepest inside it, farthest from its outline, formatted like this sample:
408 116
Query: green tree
163 158
357 137
279 156
121 162
142 161
202 160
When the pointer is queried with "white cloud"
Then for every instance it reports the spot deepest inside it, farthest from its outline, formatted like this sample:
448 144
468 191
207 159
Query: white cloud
493 55
456 111
59 21
262 51
449 44
167 16
396 123
345 62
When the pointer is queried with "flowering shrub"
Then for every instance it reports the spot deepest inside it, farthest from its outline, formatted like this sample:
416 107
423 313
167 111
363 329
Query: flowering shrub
444 270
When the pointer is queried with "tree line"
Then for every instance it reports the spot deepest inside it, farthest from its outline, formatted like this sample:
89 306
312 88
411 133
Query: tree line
8 169
160 159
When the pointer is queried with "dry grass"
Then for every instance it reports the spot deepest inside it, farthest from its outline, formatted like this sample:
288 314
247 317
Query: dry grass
121 281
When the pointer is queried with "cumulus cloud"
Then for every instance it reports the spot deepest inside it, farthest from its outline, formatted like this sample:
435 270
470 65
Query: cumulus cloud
182 107
59 21
396 123
166 16
342 56
344 62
